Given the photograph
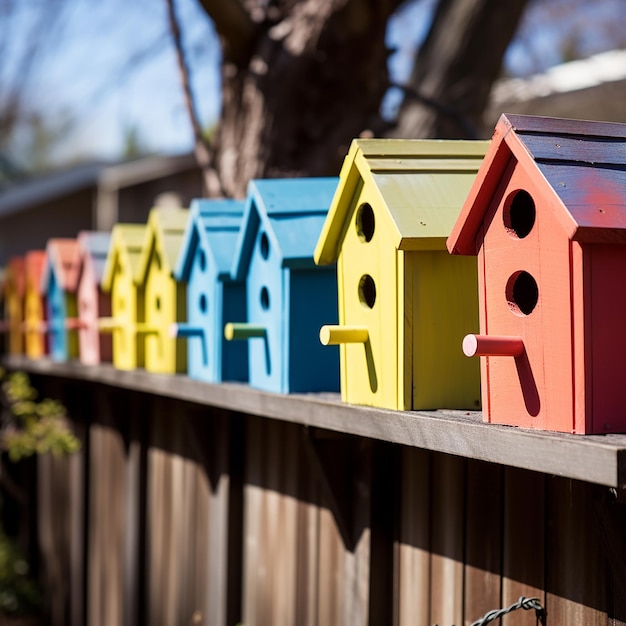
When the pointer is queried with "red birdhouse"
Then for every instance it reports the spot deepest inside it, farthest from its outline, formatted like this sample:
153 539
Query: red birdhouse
547 218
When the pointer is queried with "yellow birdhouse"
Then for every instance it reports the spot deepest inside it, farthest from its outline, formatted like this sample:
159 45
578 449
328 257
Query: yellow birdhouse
405 304
121 273
14 305
165 300
35 325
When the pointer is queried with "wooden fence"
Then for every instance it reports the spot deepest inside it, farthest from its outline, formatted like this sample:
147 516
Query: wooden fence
203 504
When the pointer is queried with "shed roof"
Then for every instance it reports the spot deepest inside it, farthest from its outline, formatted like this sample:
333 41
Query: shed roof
126 241
414 182
581 163
62 257
95 244
292 210
165 231
217 223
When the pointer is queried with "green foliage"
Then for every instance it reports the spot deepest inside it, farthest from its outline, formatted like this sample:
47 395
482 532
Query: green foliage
31 427
19 594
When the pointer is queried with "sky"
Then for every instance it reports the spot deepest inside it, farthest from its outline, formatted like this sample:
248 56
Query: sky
114 65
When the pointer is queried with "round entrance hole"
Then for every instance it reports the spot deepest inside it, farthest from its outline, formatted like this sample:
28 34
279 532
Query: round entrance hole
367 291
519 214
265 298
203 303
365 222
522 293
264 245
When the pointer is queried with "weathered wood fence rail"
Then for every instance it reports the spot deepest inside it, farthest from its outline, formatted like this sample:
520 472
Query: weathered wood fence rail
193 503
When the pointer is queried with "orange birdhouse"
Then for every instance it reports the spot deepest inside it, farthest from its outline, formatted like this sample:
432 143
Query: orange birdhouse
547 218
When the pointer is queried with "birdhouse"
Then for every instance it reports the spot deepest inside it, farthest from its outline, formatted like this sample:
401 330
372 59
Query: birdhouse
120 280
93 302
404 302
35 325
204 264
14 288
165 300
288 296
546 217
59 282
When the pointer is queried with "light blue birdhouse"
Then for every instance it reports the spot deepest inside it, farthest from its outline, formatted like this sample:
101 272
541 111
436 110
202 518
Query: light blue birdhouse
204 263
59 282
287 294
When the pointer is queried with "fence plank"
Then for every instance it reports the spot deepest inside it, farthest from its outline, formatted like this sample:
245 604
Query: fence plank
523 542
413 544
576 580
447 536
483 536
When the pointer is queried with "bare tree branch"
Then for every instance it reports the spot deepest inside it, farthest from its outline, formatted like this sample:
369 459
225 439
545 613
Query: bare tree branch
201 149
235 27
457 64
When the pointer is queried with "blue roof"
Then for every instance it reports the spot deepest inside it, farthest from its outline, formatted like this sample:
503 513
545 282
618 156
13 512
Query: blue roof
292 211
217 224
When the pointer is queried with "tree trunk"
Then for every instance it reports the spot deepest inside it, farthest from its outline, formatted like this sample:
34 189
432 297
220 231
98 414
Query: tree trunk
456 67
297 87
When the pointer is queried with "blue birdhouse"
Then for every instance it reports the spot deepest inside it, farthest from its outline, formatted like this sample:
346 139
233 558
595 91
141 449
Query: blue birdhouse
59 282
287 294
204 263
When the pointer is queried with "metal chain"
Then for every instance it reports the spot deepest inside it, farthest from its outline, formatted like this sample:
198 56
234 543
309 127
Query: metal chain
523 603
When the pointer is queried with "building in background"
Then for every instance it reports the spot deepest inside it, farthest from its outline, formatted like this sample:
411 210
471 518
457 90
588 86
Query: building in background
92 196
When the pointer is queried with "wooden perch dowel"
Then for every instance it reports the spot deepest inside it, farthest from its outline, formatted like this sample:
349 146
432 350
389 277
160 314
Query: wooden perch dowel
335 335
494 345
184 330
243 331
109 324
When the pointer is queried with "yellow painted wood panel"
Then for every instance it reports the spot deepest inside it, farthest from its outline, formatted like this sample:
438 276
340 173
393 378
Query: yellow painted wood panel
164 300
34 336
126 299
368 298
71 307
443 309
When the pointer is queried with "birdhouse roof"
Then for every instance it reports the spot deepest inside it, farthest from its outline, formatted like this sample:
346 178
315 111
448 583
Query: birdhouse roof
96 246
164 233
35 262
420 184
15 278
126 242
215 225
292 212
579 163
62 258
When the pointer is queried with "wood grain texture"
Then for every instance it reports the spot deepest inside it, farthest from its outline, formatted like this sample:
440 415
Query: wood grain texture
483 539
575 573
596 459
447 539
412 550
524 544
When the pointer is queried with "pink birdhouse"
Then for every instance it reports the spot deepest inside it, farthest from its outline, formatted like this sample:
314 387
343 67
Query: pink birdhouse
94 346
547 218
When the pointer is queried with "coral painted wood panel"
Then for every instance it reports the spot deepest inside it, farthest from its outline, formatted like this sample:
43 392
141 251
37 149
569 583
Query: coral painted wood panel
527 295
605 382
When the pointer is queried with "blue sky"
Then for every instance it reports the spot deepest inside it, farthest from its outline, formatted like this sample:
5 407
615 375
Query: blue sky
87 63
